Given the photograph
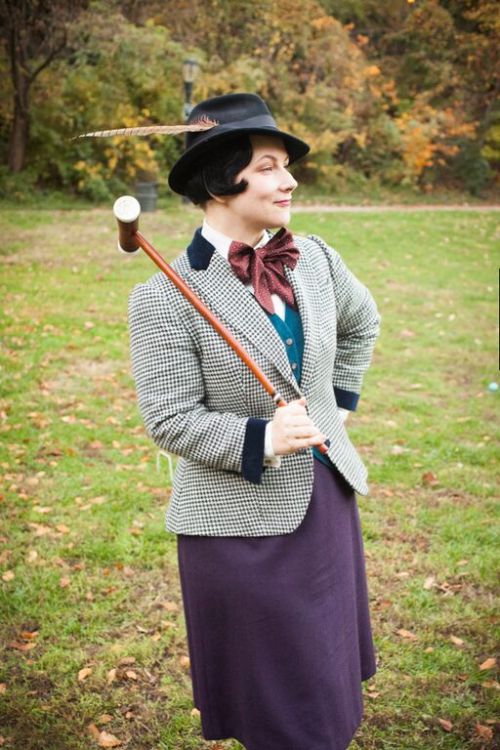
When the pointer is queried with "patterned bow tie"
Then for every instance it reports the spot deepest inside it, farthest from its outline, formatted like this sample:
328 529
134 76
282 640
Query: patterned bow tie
263 267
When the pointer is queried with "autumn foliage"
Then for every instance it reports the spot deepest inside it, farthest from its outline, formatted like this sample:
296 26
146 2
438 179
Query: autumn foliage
399 94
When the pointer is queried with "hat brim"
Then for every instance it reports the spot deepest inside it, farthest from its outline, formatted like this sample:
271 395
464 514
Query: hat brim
182 169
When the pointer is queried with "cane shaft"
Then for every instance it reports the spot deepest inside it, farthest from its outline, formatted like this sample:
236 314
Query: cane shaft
136 238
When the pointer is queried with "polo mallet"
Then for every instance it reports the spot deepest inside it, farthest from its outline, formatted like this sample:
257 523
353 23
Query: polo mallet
127 211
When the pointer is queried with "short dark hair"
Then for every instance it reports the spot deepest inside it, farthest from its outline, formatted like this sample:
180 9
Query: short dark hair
215 173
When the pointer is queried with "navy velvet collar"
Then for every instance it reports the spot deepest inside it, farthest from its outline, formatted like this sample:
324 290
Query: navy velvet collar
200 251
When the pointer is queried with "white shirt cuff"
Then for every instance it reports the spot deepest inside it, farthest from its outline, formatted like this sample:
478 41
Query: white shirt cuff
270 459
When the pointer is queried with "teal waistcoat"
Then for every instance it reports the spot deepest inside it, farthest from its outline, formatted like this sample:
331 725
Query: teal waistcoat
291 333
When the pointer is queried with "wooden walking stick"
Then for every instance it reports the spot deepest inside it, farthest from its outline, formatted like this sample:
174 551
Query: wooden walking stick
127 211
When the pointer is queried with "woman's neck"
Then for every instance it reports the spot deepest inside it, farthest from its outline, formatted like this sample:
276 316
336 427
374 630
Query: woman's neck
231 227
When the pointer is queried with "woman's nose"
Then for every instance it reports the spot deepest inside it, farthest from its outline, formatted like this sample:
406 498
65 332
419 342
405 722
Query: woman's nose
289 182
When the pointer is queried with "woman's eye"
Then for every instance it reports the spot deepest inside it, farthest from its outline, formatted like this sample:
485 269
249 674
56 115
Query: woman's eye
266 169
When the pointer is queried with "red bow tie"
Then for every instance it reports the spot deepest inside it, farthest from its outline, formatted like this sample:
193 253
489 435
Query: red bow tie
263 267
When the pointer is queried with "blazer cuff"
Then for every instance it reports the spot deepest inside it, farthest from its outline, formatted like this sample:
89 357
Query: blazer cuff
253 450
346 399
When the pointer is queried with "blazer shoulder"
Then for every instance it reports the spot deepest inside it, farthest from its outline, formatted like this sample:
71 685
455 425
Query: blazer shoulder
160 284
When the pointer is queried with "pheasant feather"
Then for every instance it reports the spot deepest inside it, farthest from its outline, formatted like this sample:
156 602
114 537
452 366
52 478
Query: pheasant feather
203 123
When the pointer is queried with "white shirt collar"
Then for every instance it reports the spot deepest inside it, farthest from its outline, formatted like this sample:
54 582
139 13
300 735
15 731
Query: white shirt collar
222 242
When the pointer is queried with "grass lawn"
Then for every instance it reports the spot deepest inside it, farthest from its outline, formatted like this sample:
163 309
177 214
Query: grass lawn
93 640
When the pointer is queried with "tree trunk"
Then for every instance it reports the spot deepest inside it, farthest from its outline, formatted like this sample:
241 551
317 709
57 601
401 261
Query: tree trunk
18 141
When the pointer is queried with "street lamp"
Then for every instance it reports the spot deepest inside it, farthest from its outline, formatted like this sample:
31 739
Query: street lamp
190 70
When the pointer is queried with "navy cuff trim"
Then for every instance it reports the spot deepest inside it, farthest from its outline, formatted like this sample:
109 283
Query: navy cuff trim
253 450
346 399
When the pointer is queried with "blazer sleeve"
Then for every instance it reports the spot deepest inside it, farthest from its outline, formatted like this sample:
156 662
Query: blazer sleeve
358 326
171 395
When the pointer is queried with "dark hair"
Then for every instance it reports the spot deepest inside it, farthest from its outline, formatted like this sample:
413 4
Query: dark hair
215 173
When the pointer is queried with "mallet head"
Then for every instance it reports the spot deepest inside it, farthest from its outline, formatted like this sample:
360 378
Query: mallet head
127 210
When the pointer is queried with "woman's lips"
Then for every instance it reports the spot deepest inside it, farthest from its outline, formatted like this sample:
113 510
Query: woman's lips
283 203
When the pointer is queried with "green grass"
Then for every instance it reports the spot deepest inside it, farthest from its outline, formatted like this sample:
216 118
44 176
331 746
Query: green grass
94 573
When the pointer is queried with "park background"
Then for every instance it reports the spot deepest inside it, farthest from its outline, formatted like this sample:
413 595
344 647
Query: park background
399 101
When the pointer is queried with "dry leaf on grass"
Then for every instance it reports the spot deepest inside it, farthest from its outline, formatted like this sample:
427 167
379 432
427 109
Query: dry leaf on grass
407 634
3 687
111 676
429 583
64 582
488 664
9 575
84 673
486 733
105 718
185 662
447 725
108 740
21 646
456 641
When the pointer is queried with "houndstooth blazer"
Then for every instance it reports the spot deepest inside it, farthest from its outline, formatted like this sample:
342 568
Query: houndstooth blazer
200 402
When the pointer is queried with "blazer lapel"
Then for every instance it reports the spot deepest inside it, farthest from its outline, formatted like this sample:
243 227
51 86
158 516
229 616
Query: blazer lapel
212 277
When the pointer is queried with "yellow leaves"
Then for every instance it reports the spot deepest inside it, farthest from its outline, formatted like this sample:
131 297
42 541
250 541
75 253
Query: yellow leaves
9 575
371 71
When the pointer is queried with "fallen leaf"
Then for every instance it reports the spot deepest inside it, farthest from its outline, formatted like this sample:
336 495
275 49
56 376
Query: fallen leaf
108 740
447 725
32 555
127 660
21 646
429 583
373 694
84 673
170 606
2 740
42 509
491 684
185 662
9 575
111 676
131 675
64 582
456 641
428 650
429 478
486 733
195 713
63 528
94 731
28 635
105 718
407 634
3 687
488 664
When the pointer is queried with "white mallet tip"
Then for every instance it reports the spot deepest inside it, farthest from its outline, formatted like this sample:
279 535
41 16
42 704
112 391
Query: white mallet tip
127 209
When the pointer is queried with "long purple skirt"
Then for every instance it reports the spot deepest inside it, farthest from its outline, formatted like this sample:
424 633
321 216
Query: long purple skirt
279 629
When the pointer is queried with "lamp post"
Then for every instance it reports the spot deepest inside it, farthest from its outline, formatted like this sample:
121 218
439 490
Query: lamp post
190 70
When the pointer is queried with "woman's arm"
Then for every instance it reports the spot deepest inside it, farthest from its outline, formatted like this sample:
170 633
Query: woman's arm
171 394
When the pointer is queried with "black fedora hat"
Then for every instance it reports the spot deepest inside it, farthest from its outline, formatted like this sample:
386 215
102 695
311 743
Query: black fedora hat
234 114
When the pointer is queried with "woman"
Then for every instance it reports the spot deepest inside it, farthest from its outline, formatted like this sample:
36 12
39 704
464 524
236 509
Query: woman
269 543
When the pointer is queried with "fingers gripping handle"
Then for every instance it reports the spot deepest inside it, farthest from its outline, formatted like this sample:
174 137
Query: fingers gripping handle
127 211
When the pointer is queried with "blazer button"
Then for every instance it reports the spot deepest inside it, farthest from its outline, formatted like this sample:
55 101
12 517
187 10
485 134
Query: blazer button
289 342
294 365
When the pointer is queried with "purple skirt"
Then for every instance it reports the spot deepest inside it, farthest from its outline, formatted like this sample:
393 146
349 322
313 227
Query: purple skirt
279 628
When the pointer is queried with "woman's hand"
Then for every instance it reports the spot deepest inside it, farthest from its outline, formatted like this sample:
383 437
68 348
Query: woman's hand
292 430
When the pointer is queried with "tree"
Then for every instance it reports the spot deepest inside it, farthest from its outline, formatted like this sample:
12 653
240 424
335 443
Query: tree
34 33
